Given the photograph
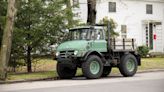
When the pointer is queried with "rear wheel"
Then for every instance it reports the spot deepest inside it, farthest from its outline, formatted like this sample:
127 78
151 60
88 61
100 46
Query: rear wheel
106 71
66 71
128 65
93 67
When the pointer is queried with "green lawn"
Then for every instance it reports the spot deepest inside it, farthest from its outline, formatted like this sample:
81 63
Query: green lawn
152 63
49 66
35 75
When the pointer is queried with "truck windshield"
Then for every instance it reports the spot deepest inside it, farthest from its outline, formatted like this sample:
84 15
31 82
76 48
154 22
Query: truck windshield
79 34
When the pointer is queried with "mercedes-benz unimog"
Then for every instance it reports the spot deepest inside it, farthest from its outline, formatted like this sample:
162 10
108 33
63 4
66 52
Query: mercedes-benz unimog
96 53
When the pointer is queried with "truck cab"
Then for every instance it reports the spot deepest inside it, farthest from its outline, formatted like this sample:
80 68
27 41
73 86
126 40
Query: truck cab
90 48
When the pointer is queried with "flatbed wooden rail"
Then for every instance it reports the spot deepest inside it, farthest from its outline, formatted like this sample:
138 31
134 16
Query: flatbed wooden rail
123 44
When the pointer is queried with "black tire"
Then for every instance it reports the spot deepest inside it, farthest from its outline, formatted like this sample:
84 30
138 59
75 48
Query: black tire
106 71
66 71
123 67
86 67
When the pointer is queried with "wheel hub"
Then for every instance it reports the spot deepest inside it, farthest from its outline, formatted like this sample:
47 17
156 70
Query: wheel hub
94 67
130 65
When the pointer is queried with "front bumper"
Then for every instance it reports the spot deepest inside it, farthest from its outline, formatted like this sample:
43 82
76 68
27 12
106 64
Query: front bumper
67 62
67 58
74 61
64 59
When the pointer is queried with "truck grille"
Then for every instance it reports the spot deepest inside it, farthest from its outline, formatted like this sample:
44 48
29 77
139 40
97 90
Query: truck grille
65 54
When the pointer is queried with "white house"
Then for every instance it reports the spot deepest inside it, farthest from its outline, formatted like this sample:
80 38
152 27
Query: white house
139 19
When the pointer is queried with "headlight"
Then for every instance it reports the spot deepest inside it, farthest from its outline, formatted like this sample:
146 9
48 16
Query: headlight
57 53
75 52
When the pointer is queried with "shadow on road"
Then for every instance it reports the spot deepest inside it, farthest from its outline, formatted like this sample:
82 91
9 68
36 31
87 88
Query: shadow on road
84 78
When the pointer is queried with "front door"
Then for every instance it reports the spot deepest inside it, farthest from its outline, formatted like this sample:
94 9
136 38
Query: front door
153 36
158 45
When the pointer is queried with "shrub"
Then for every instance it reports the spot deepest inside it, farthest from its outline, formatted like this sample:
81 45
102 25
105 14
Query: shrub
143 51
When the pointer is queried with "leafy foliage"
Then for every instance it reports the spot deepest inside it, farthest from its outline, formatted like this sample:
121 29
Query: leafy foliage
113 26
143 50
38 24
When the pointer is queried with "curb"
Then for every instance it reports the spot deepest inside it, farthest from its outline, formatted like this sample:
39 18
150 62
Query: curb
150 70
29 80
57 78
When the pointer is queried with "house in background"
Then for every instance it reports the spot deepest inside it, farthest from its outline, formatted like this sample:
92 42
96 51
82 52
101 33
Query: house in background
139 19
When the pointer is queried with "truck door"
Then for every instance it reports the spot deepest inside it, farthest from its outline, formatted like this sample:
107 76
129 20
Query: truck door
99 43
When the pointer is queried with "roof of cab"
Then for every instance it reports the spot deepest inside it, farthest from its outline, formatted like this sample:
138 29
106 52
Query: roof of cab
86 27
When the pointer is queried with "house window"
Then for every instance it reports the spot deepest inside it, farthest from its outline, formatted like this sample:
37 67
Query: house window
149 9
123 31
112 6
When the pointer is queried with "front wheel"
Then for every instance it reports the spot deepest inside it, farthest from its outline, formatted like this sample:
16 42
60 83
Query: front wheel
66 71
93 67
128 65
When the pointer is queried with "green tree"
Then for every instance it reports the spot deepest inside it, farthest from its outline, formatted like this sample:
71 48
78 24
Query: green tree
38 23
113 25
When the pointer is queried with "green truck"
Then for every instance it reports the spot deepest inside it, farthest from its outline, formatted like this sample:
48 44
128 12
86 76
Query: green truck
94 50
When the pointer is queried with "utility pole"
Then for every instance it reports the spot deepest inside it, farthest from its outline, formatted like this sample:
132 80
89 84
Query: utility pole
91 12
7 39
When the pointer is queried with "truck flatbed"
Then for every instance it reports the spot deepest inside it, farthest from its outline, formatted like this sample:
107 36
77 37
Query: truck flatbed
122 45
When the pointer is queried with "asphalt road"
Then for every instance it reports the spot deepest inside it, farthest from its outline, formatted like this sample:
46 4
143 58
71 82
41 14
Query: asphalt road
141 82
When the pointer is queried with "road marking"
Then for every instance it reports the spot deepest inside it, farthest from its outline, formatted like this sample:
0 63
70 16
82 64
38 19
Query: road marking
77 82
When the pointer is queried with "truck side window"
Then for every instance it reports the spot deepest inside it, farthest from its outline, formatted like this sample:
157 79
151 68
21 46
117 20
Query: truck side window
84 34
92 35
99 34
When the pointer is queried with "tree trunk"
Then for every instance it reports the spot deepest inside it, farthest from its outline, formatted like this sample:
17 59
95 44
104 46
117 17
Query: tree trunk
91 19
1 34
29 47
29 67
7 39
